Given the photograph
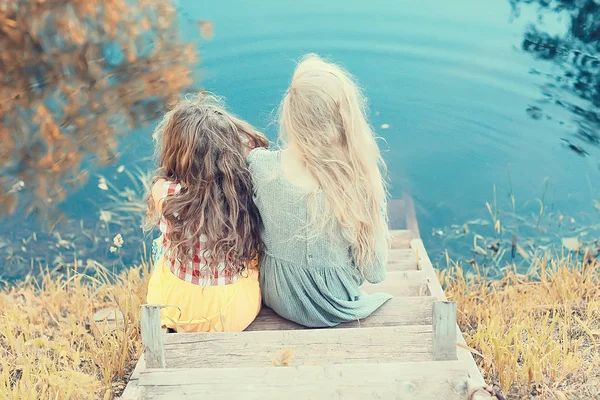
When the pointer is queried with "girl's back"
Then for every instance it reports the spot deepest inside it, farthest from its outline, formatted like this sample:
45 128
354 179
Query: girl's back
205 274
322 202
285 214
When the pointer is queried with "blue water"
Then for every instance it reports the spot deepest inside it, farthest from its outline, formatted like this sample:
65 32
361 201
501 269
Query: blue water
451 79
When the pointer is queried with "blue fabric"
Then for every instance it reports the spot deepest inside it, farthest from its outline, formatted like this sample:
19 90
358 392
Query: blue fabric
157 248
308 278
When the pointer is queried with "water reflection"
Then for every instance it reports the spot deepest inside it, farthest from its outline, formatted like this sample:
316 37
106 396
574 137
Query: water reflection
575 84
74 76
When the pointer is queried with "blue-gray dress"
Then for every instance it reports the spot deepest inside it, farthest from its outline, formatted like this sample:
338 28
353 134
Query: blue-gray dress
307 278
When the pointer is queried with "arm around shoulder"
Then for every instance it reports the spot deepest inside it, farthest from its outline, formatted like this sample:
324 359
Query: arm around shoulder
158 194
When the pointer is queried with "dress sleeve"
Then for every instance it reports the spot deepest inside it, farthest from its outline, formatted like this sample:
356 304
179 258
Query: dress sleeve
170 188
377 272
258 164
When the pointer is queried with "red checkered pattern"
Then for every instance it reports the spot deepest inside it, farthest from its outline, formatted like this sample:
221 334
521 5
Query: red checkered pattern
191 271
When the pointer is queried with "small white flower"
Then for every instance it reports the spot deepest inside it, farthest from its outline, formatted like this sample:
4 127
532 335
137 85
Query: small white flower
118 240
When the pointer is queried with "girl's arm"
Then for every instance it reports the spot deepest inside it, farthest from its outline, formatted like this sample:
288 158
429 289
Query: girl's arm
377 272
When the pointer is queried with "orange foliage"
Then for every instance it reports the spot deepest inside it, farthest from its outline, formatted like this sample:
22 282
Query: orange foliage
74 75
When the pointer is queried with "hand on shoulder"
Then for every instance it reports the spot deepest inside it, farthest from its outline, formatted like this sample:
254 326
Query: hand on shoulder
158 194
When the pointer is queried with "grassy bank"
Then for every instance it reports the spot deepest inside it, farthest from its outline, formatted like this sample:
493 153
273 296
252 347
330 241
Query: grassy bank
61 338
534 336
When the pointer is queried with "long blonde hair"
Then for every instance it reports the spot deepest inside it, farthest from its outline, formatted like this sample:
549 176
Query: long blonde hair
323 115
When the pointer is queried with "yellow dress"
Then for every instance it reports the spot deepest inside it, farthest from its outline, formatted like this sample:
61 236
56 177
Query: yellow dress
188 307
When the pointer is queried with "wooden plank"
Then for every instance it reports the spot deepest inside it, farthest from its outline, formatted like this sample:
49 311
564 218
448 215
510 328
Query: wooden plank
402 260
408 381
400 283
400 239
444 330
396 214
435 290
407 265
133 391
396 312
411 215
152 336
401 255
311 346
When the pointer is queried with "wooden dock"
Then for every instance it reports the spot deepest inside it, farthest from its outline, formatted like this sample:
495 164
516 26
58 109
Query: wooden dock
411 348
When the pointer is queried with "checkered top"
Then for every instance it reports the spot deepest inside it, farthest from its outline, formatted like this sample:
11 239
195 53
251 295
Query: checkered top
194 271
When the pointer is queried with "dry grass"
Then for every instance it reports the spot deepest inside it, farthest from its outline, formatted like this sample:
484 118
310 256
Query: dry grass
534 337
52 347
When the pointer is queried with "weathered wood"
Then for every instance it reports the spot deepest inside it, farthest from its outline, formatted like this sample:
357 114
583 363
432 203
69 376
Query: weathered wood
396 312
402 260
400 283
133 391
409 381
411 216
400 239
477 392
396 214
382 356
400 255
312 347
444 330
435 290
152 337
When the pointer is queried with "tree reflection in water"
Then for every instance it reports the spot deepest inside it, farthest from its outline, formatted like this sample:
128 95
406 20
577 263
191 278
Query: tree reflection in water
577 54
75 74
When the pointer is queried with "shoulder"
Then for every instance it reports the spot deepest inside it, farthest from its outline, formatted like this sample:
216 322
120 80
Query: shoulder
261 160
163 188
259 154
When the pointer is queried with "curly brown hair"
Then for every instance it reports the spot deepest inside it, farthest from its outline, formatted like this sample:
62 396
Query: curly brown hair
203 147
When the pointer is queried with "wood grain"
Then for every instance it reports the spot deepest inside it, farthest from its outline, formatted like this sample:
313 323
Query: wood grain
444 330
402 260
400 283
401 239
435 290
310 347
152 337
133 391
409 381
396 214
396 312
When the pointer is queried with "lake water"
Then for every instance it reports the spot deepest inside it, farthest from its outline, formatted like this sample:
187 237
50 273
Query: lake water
474 93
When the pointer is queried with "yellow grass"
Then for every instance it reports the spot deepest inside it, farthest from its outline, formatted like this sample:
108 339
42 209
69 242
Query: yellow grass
534 337
530 336
50 345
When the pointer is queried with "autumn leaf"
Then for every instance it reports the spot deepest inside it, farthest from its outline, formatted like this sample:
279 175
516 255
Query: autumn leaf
283 358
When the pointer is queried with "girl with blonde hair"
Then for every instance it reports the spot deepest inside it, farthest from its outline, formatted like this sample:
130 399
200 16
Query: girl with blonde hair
206 270
322 202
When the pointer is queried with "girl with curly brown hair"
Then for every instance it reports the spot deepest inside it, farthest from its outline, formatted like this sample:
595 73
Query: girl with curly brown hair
201 197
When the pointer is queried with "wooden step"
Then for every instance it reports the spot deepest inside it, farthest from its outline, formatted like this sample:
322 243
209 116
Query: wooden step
438 380
401 239
396 312
310 347
402 260
400 283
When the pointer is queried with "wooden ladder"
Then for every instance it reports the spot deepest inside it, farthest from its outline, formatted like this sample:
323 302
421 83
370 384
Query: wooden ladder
407 349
